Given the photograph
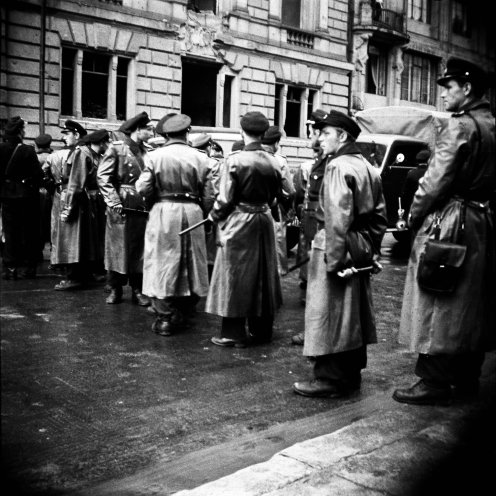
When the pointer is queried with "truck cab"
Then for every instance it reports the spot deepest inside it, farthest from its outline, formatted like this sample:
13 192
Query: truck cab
390 139
394 156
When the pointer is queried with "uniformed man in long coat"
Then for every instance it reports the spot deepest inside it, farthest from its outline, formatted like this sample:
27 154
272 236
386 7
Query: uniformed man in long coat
120 168
452 332
245 286
43 151
308 180
84 209
62 233
20 180
204 143
176 178
270 143
339 316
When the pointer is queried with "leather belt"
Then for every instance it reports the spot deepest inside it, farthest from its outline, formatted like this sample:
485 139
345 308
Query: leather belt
252 208
179 197
483 206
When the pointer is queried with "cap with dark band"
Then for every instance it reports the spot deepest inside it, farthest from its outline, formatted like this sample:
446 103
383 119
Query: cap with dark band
337 119
71 126
159 129
139 121
97 136
176 124
316 116
462 70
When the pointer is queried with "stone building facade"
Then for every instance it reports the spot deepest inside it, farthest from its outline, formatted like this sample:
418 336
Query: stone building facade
102 61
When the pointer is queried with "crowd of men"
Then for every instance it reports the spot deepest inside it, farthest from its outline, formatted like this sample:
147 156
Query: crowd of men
179 222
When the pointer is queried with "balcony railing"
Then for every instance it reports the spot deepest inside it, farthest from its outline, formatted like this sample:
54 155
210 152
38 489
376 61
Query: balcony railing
389 19
299 38
115 2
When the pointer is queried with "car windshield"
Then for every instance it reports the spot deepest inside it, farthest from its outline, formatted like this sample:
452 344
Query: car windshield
373 152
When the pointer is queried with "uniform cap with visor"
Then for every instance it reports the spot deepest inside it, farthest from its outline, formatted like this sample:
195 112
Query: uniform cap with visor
71 126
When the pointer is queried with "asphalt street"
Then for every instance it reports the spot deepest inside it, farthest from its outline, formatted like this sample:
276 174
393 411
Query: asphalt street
94 403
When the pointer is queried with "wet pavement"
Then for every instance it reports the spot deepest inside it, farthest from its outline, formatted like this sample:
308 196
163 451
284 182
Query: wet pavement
94 403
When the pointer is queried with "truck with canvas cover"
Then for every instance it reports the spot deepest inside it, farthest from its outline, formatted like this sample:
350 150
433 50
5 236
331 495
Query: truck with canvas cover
390 139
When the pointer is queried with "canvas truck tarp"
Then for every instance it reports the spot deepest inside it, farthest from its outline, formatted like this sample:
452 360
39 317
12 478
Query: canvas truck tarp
407 121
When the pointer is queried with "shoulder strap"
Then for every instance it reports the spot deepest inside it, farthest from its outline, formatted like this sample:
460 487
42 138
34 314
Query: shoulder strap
11 157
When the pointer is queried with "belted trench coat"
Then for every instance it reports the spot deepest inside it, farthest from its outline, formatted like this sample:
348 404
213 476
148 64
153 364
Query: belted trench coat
120 168
245 281
462 167
176 177
60 232
84 207
339 314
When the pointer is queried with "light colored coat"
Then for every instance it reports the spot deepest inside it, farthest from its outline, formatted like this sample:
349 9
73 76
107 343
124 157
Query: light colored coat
245 281
61 232
465 320
120 168
175 265
339 313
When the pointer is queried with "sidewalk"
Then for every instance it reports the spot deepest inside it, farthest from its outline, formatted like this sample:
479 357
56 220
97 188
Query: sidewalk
403 450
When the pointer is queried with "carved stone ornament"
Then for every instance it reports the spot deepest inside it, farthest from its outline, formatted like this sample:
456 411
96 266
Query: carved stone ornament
196 35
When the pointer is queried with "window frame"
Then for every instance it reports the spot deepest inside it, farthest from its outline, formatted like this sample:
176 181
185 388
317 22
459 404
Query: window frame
111 91
309 98
419 77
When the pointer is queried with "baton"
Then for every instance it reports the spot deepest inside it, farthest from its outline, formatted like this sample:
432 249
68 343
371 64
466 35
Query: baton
194 226
297 266
144 212
347 273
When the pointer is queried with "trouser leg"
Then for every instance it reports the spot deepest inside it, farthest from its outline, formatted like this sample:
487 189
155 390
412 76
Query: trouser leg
261 328
444 370
31 234
233 328
136 282
162 307
342 369
12 233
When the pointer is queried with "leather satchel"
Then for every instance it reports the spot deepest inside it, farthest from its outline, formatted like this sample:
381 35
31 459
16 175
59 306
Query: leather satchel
440 266
441 263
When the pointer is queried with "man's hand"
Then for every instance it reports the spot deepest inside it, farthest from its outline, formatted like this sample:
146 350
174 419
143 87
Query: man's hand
64 216
118 209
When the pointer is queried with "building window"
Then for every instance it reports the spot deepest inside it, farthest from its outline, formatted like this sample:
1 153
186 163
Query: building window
376 71
461 19
291 13
199 103
67 81
202 5
418 79
227 101
95 78
121 90
420 10
292 106
93 84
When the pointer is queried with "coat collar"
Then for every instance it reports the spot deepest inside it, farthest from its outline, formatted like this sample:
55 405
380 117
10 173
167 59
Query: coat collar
135 148
348 149
474 105
255 145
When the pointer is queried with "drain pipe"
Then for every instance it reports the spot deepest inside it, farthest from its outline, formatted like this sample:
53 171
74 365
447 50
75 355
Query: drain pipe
349 51
42 65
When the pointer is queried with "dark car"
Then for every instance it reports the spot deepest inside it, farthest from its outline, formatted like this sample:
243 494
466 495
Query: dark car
394 155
